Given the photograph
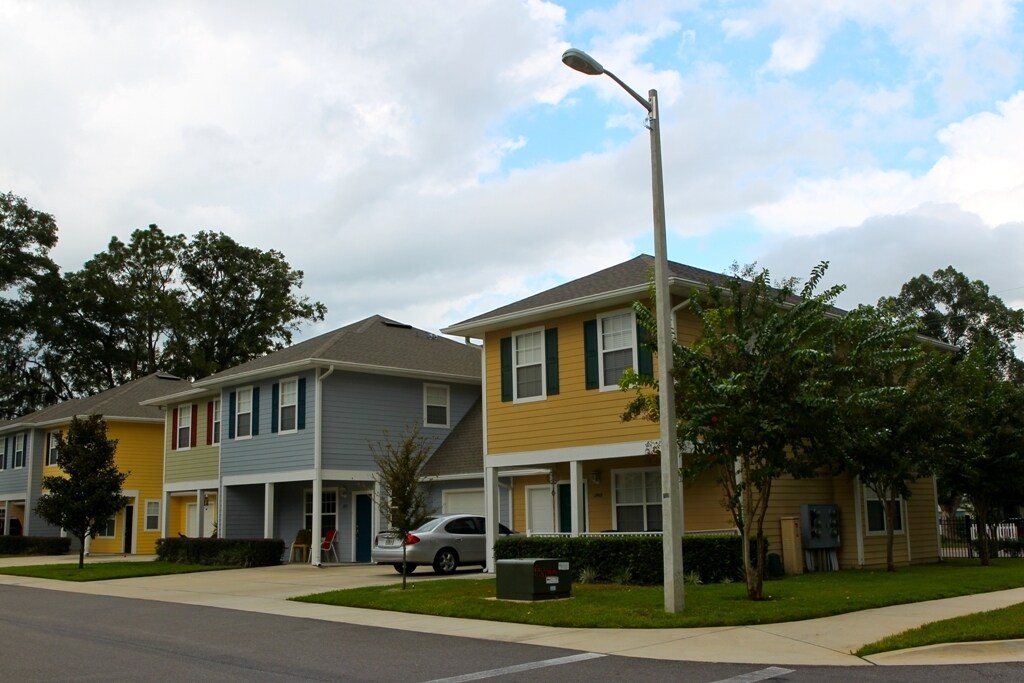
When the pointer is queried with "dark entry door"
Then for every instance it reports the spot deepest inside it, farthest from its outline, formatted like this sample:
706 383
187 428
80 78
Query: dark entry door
364 527
129 527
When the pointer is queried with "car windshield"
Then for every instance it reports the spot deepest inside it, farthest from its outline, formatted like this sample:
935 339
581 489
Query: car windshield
430 524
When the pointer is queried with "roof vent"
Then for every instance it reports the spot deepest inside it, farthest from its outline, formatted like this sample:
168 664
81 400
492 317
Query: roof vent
401 326
165 375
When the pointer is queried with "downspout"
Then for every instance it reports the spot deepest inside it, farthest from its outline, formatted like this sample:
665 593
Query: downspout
318 466
675 309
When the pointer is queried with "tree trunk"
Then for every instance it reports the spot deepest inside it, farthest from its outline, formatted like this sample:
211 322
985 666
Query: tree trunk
984 553
81 552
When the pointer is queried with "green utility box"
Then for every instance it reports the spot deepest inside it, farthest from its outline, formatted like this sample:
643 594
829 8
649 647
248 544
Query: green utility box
533 579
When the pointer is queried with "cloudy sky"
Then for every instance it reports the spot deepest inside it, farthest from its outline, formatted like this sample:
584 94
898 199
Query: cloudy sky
431 160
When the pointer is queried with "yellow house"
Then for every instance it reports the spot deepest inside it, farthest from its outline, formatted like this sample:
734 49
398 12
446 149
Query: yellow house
552 422
139 430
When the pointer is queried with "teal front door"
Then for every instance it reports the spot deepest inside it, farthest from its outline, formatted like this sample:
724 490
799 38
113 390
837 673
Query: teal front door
364 527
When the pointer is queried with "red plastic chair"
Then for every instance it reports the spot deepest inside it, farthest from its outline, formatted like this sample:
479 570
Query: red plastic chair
327 546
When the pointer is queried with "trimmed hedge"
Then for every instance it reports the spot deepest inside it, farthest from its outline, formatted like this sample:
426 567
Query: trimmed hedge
237 552
715 558
34 545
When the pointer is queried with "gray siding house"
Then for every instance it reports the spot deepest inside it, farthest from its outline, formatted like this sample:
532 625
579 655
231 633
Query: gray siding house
296 427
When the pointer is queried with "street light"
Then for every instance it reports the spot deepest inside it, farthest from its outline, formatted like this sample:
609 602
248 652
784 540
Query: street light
671 495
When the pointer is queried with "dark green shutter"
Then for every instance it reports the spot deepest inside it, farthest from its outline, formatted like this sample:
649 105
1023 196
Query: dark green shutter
275 404
590 353
301 410
645 357
551 360
506 369
231 415
255 411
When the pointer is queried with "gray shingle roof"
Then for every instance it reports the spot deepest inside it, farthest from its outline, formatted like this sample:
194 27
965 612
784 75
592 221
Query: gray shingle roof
375 343
462 451
119 402
630 276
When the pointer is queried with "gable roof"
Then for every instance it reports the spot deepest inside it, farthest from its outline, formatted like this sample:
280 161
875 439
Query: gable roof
118 403
620 283
462 451
375 345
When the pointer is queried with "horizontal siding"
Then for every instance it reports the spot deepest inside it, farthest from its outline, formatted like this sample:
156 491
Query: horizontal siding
922 513
191 464
243 511
140 453
576 416
358 409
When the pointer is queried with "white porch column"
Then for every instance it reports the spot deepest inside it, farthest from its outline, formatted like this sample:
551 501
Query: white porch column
268 510
165 527
200 521
318 504
576 498
492 509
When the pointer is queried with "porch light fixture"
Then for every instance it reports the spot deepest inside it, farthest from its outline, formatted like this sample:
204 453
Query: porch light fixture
671 494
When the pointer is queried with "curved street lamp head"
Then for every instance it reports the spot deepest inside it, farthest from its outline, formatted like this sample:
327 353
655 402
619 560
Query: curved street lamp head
582 62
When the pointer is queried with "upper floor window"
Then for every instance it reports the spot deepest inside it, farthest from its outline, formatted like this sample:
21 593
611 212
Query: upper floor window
617 334
877 519
214 425
51 448
19 451
183 429
243 414
435 405
289 405
528 364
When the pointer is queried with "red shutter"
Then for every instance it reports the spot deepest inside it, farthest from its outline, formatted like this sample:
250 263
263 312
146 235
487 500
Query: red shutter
195 423
174 429
209 423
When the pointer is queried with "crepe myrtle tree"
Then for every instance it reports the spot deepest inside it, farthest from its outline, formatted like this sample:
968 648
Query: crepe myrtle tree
405 498
88 492
752 393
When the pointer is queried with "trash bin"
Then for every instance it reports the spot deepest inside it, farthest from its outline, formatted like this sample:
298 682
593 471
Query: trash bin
775 570
533 579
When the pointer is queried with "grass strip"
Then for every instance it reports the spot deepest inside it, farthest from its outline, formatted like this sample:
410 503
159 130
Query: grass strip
1000 624
102 571
615 606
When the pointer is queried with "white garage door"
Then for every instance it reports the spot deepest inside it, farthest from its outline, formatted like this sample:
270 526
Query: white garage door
468 501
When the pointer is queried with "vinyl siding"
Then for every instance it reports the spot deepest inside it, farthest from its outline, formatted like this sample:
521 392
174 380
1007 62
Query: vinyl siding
243 511
199 463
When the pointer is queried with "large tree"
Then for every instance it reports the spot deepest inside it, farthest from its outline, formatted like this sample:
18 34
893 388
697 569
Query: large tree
753 393
405 498
88 492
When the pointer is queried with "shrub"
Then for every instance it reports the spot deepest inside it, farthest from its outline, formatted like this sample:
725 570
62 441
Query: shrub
237 552
34 545
609 558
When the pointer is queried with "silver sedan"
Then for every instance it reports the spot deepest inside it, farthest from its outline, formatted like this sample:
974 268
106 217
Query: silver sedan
445 542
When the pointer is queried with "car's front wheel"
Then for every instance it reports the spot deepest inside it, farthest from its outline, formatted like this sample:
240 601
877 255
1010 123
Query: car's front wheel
409 568
446 561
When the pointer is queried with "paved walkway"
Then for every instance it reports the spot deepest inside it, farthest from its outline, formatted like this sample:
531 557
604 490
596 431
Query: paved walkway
826 641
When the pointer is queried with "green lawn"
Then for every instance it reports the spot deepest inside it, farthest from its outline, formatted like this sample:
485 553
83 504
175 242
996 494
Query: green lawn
615 606
1000 624
100 571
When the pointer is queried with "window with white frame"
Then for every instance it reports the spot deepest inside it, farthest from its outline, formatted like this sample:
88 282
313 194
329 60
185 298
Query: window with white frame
216 421
51 448
19 451
184 426
877 518
435 405
528 364
243 413
616 335
637 500
152 515
328 510
288 411
109 529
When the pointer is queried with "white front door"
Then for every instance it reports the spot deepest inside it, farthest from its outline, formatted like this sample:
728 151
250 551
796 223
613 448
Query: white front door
192 520
540 509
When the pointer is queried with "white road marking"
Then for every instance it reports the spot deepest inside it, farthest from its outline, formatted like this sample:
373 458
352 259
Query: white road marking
519 667
755 676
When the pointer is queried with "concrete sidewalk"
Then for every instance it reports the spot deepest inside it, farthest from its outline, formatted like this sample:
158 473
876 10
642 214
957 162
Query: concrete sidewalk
825 641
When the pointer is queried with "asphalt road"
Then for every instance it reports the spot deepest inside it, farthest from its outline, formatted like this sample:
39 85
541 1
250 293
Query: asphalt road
56 636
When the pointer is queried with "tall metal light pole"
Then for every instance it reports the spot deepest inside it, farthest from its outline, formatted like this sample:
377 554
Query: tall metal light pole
671 493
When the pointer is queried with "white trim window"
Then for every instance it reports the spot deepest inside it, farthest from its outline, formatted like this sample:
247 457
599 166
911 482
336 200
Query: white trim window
328 510
216 421
435 405
616 334
51 449
18 461
528 365
636 500
243 413
109 529
184 427
152 515
874 508
289 410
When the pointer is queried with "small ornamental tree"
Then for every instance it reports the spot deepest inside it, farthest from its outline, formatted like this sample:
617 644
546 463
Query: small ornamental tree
88 493
404 501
